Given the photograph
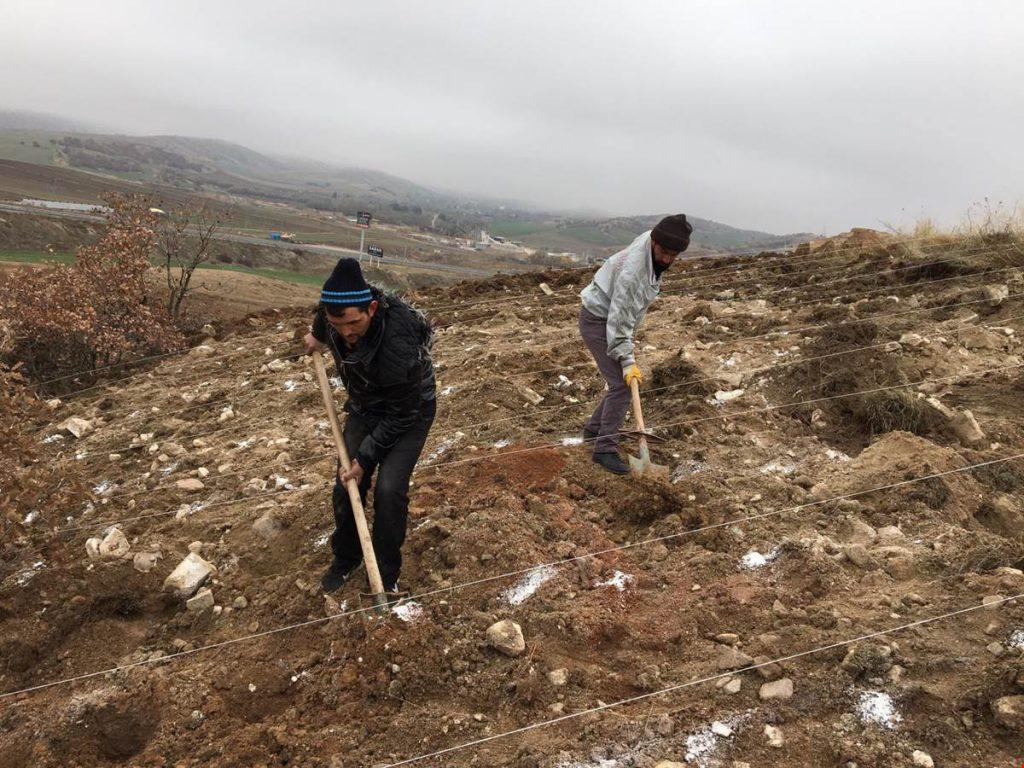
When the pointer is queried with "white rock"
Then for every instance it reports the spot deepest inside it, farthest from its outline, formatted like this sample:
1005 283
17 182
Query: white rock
76 426
777 689
721 729
190 484
558 677
775 738
911 340
531 396
923 759
189 575
506 637
92 548
202 601
114 545
721 396
144 562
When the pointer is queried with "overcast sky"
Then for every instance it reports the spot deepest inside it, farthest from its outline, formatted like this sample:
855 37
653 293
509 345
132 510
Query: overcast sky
782 116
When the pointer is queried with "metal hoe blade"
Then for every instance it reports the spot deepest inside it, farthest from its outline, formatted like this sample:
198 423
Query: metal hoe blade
644 467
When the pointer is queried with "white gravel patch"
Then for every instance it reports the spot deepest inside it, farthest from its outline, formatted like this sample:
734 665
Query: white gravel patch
533 581
877 707
619 580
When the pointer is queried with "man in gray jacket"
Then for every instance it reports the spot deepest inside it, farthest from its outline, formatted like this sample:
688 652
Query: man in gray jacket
614 305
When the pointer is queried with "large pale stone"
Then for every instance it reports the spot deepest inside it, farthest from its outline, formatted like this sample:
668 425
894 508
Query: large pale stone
506 637
202 601
731 658
76 426
189 575
777 689
1009 712
114 545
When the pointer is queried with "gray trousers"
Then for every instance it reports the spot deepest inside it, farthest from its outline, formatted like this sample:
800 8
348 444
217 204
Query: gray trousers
611 411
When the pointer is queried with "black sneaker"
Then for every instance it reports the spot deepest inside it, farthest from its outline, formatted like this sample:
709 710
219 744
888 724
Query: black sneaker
589 434
337 576
612 462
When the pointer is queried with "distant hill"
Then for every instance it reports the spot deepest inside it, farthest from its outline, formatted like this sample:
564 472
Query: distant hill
603 235
213 166
21 120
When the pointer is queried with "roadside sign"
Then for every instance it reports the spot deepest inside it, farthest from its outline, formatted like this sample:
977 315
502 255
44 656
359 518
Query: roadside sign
375 250
363 219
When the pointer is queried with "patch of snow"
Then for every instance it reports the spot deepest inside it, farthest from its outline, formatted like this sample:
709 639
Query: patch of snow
589 764
1016 639
25 576
777 468
282 482
408 611
243 444
572 441
877 707
836 455
322 426
291 385
564 382
503 443
321 541
754 559
52 439
529 584
447 390
686 469
701 745
169 468
336 382
445 446
30 517
619 580
104 486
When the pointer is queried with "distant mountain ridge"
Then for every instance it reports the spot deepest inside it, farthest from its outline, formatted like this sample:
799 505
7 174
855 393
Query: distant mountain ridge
205 165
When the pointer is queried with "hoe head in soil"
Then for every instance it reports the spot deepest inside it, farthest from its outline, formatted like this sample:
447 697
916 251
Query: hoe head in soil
642 466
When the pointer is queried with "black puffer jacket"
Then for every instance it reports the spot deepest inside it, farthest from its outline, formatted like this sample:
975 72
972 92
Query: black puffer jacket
389 375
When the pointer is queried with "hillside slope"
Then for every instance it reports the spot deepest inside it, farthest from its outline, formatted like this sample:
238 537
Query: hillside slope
221 167
816 497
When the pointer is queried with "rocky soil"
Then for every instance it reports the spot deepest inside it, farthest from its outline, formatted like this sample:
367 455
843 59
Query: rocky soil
842 429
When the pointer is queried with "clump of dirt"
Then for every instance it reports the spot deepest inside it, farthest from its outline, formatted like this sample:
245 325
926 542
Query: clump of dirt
683 375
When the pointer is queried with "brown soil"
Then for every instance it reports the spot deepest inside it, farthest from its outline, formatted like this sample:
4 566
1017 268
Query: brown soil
779 564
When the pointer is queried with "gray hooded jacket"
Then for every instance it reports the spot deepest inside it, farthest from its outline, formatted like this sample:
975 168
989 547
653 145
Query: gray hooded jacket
620 292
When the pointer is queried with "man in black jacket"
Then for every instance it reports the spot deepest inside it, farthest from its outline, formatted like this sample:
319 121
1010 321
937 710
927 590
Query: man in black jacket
381 347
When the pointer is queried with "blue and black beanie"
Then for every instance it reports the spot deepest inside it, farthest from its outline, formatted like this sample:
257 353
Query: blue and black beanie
346 286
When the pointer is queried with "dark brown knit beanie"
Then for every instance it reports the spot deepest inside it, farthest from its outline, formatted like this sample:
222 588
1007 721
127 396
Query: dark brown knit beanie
673 233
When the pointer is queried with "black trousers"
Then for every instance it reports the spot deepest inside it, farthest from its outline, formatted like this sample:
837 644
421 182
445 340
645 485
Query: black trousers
390 495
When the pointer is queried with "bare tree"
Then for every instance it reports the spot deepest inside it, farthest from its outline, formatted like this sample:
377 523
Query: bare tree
184 240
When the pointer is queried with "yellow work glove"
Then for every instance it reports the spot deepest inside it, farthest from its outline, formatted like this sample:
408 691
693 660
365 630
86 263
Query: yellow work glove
633 373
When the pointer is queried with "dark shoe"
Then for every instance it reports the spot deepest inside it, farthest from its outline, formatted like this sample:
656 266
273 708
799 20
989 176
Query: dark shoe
336 576
589 434
612 462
